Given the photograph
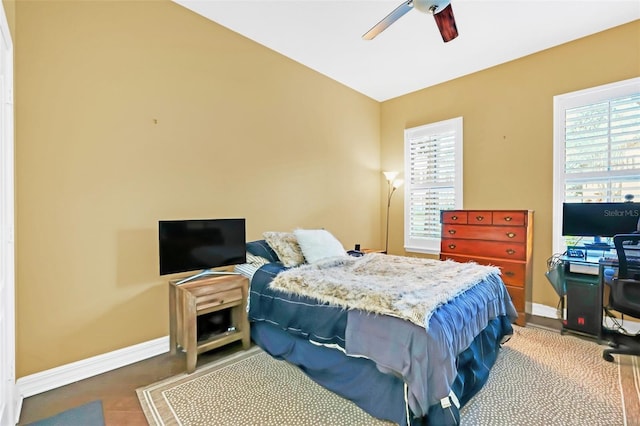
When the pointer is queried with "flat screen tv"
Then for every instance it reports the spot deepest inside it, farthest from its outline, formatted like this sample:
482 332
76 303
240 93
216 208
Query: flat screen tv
599 219
200 244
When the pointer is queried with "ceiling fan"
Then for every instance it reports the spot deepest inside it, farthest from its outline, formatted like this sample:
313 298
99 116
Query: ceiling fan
440 9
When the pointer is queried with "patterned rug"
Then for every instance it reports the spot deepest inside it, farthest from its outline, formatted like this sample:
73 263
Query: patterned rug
545 378
540 378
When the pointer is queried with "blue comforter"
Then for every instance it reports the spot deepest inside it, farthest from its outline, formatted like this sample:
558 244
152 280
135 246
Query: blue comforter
300 316
425 361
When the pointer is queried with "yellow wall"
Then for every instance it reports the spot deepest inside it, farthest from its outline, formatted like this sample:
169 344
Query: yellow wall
241 132
508 129
131 112
10 12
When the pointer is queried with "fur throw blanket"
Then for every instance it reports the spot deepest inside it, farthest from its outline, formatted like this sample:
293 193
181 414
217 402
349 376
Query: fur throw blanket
406 287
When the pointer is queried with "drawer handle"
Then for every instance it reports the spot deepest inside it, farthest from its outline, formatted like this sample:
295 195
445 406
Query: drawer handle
452 246
479 218
454 217
452 231
509 274
508 218
511 251
511 234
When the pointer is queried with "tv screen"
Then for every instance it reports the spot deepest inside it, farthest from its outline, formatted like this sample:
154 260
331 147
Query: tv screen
599 219
189 245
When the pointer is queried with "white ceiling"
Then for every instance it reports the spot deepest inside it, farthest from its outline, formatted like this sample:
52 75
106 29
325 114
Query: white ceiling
325 35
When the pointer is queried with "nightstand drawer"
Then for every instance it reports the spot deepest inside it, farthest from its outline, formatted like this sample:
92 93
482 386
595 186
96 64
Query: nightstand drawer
208 301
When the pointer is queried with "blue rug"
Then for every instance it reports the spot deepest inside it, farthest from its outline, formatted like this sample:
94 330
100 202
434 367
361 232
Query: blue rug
86 415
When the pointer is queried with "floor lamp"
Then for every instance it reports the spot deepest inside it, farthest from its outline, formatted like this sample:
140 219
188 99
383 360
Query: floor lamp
392 185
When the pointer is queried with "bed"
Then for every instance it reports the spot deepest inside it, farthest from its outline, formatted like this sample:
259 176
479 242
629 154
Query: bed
369 351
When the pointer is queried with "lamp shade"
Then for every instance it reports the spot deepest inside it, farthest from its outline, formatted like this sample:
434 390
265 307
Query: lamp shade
390 176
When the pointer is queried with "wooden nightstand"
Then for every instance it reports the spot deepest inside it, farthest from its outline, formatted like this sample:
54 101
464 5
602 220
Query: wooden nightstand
190 300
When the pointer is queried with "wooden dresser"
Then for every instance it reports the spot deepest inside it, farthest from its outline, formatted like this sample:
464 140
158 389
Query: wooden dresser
503 238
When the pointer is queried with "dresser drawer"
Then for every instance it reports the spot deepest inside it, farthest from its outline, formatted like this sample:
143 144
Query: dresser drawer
513 273
453 216
500 217
500 250
480 218
509 218
517 297
480 232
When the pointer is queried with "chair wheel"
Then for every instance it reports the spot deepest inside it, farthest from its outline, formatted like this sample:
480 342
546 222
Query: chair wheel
607 357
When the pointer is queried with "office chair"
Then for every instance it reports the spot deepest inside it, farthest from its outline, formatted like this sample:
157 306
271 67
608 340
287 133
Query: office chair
624 296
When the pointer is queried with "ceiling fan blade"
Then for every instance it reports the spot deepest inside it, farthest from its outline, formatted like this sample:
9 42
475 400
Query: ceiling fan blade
446 23
397 13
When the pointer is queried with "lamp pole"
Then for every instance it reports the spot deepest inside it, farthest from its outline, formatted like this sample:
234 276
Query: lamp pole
390 191
392 185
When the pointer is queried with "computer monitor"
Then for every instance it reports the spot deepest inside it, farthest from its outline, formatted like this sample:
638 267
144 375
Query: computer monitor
599 219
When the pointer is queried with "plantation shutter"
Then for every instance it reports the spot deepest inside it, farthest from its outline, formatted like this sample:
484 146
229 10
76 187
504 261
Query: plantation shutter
596 149
434 181
602 150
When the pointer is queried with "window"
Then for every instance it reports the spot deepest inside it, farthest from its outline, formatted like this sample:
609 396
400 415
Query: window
596 148
433 176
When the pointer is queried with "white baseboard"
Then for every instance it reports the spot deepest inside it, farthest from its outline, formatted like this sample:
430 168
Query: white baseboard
17 405
69 373
544 311
550 312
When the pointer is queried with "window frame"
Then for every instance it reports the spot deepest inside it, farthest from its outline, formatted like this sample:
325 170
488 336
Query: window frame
431 245
561 103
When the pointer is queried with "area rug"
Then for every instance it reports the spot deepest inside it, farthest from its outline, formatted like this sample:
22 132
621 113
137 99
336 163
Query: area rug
89 414
540 378
545 378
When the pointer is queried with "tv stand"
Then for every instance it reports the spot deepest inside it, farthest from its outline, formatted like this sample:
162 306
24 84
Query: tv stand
205 273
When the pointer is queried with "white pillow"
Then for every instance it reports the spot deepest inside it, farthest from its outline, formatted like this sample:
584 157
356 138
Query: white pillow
318 244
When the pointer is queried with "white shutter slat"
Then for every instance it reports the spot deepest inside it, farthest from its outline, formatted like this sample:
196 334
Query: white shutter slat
602 138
